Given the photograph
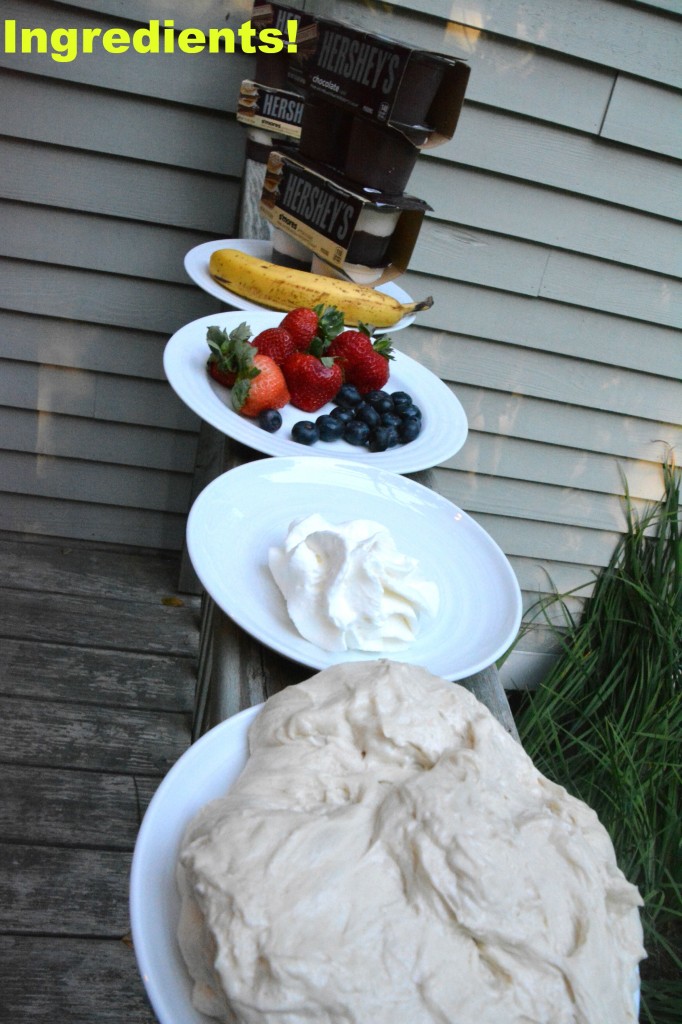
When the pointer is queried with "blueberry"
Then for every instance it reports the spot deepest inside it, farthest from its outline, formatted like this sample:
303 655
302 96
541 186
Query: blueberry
304 432
383 438
341 414
356 432
410 430
401 400
270 420
412 412
329 428
379 400
366 414
391 419
348 396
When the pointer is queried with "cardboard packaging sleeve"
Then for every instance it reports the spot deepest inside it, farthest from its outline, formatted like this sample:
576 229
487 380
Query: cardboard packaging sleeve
284 70
345 225
274 110
386 80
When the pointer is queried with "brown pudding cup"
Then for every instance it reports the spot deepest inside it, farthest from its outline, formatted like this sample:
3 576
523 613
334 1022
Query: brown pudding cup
418 87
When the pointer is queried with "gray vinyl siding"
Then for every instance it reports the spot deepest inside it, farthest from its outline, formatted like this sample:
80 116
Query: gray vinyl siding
553 254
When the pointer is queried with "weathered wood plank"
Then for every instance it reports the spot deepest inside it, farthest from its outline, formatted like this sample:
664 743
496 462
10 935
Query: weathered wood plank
557 465
42 891
546 541
541 324
572 161
100 482
124 351
83 675
49 806
115 187
78 438
81 393
512 414
202 80
85 570
103 623
64 518
91 738
75 239
47 980
565 505
645 115
491 202
120 125
89 295
643 42
561 378
595 284
490 259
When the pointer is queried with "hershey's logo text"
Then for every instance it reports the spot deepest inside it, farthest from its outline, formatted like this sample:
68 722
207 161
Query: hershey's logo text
358 61
323 210
282 109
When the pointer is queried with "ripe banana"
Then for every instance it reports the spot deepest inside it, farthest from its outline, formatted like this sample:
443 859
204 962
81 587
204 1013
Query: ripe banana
284 288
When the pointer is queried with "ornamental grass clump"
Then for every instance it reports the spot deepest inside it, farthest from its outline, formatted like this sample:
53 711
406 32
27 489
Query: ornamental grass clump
607 724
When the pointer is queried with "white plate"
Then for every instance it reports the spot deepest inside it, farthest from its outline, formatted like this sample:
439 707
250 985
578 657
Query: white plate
196 265
236 519
204 772
444 421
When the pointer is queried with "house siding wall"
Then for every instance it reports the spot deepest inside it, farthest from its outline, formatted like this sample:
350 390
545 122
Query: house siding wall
553 253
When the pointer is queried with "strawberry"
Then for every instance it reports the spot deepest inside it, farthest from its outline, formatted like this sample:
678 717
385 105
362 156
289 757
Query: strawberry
364 363
312 382
372 372
260 386
305 323
230 353
349 348
275 342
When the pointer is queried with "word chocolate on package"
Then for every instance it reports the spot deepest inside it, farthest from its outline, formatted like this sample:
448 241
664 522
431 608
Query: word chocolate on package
362 234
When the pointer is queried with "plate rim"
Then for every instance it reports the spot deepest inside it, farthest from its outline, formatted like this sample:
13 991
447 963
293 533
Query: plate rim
182 347
262 248
241 475
139 898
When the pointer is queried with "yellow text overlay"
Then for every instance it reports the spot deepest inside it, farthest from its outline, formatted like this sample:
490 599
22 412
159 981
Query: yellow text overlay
65 44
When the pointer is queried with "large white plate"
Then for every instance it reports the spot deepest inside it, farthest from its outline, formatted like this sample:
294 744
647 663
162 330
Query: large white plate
204 772
444 421
196 265
236 519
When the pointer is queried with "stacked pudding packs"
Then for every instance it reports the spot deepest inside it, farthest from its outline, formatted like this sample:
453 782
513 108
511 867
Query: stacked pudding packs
365 106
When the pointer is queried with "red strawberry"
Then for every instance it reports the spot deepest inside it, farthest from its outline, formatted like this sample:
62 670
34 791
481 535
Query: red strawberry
261 386
364 363
230 353
349 348
312 382
275 342
305 323
372 372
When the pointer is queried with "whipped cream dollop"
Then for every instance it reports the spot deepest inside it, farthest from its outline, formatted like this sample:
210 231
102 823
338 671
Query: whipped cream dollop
390 855
347 587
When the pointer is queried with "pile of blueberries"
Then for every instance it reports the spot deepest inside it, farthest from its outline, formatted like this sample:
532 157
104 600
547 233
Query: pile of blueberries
377 420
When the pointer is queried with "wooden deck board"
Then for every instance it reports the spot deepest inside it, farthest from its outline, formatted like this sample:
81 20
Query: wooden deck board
97 680
71 981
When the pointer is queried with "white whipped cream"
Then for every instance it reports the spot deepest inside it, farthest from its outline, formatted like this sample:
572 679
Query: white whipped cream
348 587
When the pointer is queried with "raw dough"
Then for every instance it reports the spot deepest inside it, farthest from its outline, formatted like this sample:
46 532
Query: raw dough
390 855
